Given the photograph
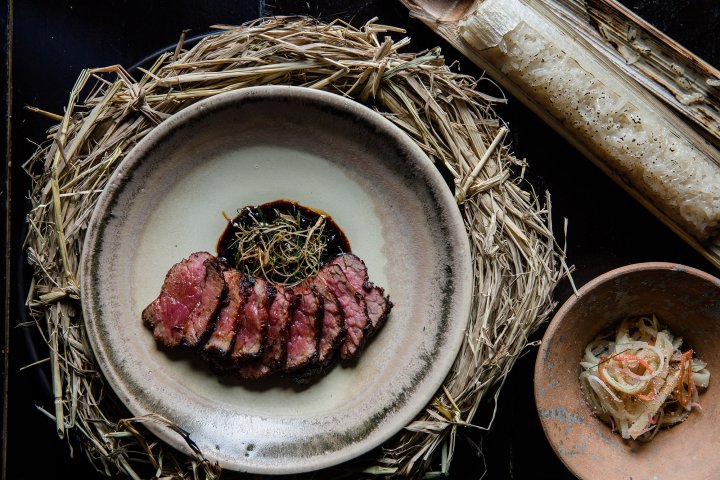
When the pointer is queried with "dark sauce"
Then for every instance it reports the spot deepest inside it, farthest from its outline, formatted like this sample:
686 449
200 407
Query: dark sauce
335 240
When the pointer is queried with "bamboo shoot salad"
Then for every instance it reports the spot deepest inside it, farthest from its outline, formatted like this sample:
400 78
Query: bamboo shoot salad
637 378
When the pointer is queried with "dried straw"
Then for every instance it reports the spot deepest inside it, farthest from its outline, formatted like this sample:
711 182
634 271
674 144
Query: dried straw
516 263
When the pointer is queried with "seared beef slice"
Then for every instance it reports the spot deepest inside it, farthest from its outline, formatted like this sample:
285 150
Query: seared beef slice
378 305
188 302
353 307
333 323
250 337
255 329
273 356
305 329
230 316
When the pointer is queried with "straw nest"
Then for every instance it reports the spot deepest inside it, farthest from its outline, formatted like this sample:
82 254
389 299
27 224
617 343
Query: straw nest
516 262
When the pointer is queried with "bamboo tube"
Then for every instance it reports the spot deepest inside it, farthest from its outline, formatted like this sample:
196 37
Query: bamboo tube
546 54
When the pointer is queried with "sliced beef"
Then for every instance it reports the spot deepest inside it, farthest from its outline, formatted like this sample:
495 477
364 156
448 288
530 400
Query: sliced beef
353 307
250 337
333 323
378 304
304 330
273 356
222 338
279 320
188 302
245 325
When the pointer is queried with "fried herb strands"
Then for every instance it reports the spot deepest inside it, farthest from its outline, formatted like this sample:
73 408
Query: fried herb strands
281 251
282 242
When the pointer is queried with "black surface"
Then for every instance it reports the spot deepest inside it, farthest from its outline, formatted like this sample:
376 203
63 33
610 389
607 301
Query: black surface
54 40
4 144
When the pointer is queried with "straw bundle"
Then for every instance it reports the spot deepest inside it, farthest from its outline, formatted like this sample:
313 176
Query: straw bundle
516 264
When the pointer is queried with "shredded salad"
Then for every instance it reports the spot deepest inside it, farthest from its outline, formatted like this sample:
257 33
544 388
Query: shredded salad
637 379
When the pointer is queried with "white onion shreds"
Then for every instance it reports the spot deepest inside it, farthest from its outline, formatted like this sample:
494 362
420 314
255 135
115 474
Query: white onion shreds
587 390
605 406
630 383
701 378
644 345
647 327
590 356
597 380
640 378
592 366
623 334
652 407
664 342
624 429
698 365
695 400
621 386
658 424
657 368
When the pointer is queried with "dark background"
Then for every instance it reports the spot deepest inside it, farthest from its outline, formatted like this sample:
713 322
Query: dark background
50 41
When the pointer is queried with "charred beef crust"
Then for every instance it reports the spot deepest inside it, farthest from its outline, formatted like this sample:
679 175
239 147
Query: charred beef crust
251 332
304 330
333 329
353 307
185 310
222 337
148 316
273 357
378 304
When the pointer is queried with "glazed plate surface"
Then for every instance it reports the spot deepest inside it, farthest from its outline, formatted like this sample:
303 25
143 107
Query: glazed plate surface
166 200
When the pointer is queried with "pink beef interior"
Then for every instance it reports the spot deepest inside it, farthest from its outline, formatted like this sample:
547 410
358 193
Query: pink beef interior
353 307
356 272
273 356
278 319
174 314
222 337
333 323
251 331
302 335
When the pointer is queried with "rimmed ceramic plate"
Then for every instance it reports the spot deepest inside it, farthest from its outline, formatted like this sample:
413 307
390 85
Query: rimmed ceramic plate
249 147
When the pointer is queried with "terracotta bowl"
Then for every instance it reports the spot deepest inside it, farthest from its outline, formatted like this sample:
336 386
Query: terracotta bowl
688 302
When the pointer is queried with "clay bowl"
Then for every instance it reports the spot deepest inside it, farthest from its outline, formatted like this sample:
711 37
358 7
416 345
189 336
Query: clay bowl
688 302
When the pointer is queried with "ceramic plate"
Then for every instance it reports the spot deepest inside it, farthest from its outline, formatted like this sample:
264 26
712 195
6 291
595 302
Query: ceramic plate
249 147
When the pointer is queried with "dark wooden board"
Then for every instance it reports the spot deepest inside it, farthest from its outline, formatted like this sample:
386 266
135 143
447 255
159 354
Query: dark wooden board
52 41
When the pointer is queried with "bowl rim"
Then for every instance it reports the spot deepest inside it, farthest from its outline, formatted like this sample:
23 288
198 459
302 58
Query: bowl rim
610 275
577 296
